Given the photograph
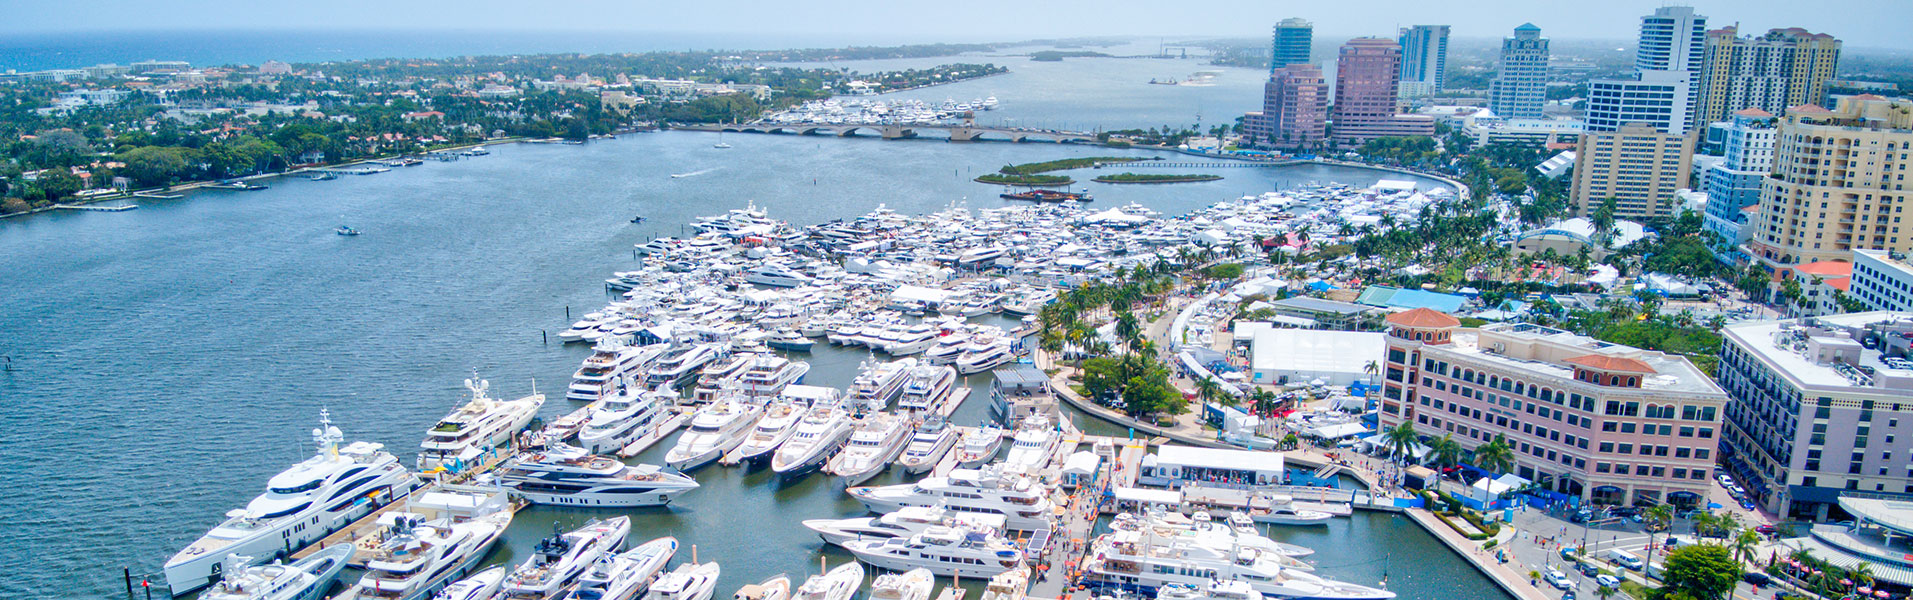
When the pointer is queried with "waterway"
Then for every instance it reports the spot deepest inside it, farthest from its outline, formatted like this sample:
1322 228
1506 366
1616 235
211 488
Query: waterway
166 361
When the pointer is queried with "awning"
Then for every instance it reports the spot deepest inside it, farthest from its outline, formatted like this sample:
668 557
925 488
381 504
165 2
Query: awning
1336 432
1148 496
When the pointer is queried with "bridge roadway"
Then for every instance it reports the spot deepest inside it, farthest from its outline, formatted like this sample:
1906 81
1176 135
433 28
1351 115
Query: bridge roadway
956 133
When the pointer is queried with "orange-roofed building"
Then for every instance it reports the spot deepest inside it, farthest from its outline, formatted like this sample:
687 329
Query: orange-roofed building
1598 421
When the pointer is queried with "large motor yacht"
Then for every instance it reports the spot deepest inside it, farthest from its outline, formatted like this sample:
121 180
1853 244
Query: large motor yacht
879 382
777 425
769 374
568 476
1032 446
983 356
928 445
477 427
1022 501
819 434
952 551
690 581
623 418
561 558
875 441
1140 562
613 365
979 446
928 389
905 522
413 558
679 367
716 373
623 576
717 428
913 339
306 579
302 505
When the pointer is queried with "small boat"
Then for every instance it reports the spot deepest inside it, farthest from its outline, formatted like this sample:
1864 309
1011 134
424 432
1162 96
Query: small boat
914 585
790 341
840 583
624 576
325 176
307 579
690 581
482 586
775 588
345 230
1281 510
638 219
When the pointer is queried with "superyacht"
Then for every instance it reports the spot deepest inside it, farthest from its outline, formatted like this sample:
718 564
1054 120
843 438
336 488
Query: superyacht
611 367
624 576
905 522
777 425
1023 502
568 476
819 434
561 558
411 558
680 366
953 551
929 387
717 428
690 581
932 441
306 579
624 418
477 427
876 440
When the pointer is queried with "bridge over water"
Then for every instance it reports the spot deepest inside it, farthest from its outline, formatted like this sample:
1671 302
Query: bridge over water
889 131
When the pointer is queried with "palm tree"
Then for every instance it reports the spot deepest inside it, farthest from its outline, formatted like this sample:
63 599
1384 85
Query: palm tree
1372 368
1661 515
1862 574
1605 592
1210 391
1495 456
1400 440
1445 450
1743 546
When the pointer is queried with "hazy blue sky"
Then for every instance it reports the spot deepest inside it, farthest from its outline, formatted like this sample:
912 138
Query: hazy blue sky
1873 23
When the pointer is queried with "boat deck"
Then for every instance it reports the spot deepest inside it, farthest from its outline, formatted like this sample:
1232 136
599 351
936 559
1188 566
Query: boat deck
670 425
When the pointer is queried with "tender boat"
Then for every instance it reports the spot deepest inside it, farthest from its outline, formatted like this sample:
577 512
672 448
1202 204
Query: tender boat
624 576
1023 502
477 427
979 446
952 551
903 523
306 579
914 585
412 558
928 445
819 434
689 581
928 388
717 428
1281 510
561 558
482 586
302 505
1008 585
621 419
777 425
568 476
1033 445
876 441
840 583
777 587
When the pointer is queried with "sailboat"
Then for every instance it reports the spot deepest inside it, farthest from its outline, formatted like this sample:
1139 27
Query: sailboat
720 141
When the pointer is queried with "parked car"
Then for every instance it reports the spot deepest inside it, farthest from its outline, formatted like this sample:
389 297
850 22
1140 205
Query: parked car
1607 581
1625 559
1587 569
1747 503
1766 529
1756 578
1559 580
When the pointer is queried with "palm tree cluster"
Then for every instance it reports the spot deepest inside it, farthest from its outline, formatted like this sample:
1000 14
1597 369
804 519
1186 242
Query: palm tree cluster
1072 319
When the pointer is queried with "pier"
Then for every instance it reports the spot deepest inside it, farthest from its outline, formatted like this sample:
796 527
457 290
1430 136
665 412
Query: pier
118 208
952 132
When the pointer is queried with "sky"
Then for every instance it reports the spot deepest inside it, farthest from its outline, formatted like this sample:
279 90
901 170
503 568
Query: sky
1861 23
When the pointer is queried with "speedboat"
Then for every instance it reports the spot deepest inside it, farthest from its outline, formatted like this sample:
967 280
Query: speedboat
561 558
878 382
928 388
1022 501
482 586
716 429
477 427
840 583
1281 510
875 441
979 446
952 551
411 558
772 430
1033 445
777 587
619 420
346 231
690 581
903 523
928 445
302 505
306 579
980 357
914 585
610 367
680 366
819 434
624 576
568 476
769 374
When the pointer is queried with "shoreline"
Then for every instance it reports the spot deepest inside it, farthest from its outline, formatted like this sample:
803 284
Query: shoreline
1194 179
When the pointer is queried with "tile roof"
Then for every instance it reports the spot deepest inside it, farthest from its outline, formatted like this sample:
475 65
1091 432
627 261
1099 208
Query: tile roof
1602 362
1424 317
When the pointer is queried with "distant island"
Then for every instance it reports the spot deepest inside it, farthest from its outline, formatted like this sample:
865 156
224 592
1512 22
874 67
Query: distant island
1031 174
1025 180
1059 55
1142 178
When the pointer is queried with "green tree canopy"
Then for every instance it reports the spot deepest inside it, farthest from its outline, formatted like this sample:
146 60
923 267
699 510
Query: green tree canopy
1701 571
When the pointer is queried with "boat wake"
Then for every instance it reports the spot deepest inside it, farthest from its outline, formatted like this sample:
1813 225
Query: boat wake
693 173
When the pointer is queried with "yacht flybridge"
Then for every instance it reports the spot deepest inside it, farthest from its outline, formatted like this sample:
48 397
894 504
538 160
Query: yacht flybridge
302 505
611 367
475 428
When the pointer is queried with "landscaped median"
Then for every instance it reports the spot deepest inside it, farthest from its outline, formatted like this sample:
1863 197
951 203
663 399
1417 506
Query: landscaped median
1458 517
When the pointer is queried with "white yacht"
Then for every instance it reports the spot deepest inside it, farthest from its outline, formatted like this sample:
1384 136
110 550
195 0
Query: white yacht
978 257
482 586
569 476
716 373
983 356
1023 502
819 434
1214 590
411 558
302 505
477 427
840 583
306 579
623 576
928 445
1207 531
777 276
1033 445
1140 562
561 558
680 366
1279 509
717 428
979 446
903 523
952 551
777 425
777 587
878 383
769 374
928 388
914 585
947 349
913 339
613 365
690 581
875 441
1013 584
618 420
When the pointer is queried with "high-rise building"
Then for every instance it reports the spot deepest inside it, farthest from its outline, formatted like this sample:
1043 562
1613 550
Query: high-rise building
1882 280
1838 183
1672 39
1638 166
1367 72
1785 67
1294 109
1818 410
1424 59
1733 185
1292 42
1521 86
1600 421
1660 99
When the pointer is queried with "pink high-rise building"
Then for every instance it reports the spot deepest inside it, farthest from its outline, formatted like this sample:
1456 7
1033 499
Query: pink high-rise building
1367 77
1294 109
